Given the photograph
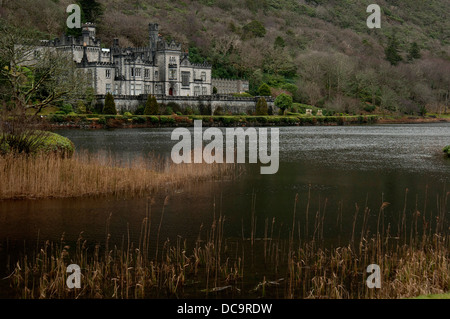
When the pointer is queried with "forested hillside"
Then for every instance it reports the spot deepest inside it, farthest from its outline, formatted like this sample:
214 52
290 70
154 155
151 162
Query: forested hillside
321 51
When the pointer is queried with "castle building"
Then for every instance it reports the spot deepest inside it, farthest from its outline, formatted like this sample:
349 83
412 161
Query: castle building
161 68
227 86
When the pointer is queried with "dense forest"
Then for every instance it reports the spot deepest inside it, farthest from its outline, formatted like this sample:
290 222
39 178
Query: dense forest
319 51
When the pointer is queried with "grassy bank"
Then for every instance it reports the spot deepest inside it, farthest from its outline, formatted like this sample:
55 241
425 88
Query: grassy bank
446 150
289 261
118 121
50 176
121 121
36 142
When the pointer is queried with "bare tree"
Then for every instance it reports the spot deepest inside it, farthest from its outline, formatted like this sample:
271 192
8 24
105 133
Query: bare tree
34 75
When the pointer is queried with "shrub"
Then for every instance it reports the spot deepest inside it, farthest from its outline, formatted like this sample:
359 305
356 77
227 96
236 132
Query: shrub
283 101
254 29
58 118
290 88
264 90
81 107
219 111
153 119
261 107
127 114
175 107
167 120
101 121
369 108
188 111
67 108
151 106
168 111
110 105
446 150
34 142
139 120
140 110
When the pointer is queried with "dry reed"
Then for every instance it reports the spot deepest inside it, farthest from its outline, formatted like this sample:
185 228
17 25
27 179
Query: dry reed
50 176
287 268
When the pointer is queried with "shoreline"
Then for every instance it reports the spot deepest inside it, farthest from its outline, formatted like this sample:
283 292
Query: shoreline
165 121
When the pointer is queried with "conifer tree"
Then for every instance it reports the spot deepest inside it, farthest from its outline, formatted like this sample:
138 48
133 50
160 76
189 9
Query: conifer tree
151 106
110 105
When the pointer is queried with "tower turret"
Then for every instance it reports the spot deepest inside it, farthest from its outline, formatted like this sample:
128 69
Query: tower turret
153 33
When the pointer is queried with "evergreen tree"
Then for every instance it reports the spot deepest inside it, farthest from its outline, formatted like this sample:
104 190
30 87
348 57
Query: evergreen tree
264 90
392 52
91 9
279 43
261 107
151 106
414 52
214 90
283 101
110 105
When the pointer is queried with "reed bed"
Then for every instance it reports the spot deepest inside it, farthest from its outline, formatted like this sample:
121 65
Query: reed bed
290 261
52 176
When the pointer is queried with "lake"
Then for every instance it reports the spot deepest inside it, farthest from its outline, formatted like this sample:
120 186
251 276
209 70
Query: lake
337 167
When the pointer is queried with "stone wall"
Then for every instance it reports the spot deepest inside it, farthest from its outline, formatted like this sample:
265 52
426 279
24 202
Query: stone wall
235 105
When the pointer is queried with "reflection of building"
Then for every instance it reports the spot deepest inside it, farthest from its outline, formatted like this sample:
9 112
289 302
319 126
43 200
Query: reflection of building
225 86
161 68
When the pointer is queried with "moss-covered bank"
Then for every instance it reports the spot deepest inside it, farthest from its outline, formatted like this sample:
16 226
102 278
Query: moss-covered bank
46 142
446 150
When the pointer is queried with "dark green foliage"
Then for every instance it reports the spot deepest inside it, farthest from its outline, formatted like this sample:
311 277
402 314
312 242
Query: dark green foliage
92 10
261 107
204 109
140 110
290 88
167 120
279 43
414 52
369 108
151 106
423 110
446 150
219 111
110 105
195 56
175 107
392 51
254 29
283 101
214 90
264 90
139 119
168 111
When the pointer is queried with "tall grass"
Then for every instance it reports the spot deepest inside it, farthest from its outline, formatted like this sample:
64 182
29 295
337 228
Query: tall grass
50 175
290 266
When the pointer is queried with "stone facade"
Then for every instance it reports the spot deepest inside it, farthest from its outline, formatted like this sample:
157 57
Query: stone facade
229 104
161 68
226 86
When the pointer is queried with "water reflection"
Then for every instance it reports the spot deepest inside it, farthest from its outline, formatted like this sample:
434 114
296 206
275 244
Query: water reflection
338 166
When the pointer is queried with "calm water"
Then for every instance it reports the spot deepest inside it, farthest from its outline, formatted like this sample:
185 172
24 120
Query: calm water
342 165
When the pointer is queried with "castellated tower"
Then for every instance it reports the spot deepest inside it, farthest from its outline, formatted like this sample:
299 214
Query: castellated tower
153 33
